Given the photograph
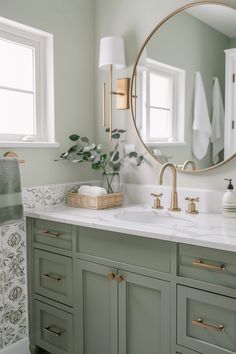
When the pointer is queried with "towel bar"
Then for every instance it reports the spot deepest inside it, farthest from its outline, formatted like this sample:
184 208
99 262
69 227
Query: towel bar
13 154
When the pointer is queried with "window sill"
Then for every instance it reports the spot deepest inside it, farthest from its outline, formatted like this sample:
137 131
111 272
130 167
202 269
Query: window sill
166 143
30 144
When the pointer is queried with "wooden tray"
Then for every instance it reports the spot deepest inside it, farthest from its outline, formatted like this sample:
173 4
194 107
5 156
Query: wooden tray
94 202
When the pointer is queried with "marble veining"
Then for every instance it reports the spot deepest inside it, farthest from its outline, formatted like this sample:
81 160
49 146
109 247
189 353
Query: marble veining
208 230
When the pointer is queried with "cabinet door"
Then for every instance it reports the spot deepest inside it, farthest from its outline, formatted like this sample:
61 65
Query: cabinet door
98 312
144 315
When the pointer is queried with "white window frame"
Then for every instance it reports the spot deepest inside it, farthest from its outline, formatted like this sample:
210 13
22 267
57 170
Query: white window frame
42 42
177 77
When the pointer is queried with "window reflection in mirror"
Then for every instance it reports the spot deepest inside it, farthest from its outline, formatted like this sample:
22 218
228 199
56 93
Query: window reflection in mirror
201 39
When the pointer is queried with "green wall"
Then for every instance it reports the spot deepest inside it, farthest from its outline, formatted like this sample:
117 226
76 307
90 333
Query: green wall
134 20
71 22
77 26
190 44
233 43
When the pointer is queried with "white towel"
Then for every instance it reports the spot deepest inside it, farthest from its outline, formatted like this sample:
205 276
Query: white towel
201 120
218 121
91 190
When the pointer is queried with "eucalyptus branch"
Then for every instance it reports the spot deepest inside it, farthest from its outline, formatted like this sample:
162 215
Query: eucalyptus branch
110 164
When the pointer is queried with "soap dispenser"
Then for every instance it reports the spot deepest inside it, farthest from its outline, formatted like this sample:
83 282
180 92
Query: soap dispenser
229 201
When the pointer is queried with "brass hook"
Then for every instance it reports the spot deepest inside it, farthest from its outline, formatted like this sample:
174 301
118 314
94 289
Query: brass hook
13 154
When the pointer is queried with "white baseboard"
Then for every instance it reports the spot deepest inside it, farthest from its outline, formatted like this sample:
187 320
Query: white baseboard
21 347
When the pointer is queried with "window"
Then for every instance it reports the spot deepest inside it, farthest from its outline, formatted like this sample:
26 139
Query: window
26 86
163 97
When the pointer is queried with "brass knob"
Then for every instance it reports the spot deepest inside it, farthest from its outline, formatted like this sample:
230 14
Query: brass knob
110 276
192 205
119 278
157 200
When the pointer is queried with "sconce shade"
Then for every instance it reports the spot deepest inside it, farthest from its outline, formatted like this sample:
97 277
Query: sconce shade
112 53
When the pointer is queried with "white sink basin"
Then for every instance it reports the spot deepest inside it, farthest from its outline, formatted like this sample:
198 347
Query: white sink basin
153 217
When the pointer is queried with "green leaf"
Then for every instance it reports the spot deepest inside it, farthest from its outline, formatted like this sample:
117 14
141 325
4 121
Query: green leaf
117 167
121 131
107 130
87 153
96 166
64 155
139 160
116 156
84 139
72 149
74 137
89 147
116 136
103 157
133 154
114 130
99 147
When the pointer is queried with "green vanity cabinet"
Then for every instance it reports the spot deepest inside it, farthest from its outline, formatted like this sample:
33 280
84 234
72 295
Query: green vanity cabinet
94 291
99 309
144 315
125 312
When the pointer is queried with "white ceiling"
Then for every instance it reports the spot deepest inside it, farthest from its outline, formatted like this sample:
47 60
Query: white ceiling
221 18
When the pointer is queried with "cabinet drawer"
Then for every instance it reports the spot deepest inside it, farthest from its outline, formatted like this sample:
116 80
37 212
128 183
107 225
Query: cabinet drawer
208 265
53 276
206 322
54 329
135 250
55 234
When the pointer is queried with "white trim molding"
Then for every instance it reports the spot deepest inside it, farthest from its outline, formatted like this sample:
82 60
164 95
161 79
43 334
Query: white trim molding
42 91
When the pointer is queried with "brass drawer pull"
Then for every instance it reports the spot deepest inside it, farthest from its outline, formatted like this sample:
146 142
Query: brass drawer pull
199 322
52 277
119 278
52 233
201 264
53 330
110 276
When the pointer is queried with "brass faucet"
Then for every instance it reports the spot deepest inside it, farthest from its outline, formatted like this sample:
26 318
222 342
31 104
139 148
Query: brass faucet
174 195
189 162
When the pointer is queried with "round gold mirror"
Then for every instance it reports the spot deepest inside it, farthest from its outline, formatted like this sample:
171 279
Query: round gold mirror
183 88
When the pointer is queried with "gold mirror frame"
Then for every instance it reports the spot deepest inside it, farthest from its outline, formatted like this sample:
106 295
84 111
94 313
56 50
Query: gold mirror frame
132 86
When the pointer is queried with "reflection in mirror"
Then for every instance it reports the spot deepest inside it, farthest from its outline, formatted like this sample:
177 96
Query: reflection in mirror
185 88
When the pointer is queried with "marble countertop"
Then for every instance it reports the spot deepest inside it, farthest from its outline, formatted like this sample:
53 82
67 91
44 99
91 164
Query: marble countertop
208 230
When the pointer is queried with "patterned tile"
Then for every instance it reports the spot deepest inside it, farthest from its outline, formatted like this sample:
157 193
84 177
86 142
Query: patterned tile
40 197
1 317
13 252
14 312
13 292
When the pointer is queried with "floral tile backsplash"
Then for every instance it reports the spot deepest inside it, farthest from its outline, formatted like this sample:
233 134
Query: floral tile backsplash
13 287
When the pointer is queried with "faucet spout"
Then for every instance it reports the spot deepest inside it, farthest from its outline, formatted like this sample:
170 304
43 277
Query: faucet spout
174 194
189 162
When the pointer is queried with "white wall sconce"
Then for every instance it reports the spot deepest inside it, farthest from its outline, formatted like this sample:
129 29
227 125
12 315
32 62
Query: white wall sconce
112 57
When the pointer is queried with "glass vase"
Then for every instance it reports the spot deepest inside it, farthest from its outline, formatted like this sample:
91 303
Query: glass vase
111 182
